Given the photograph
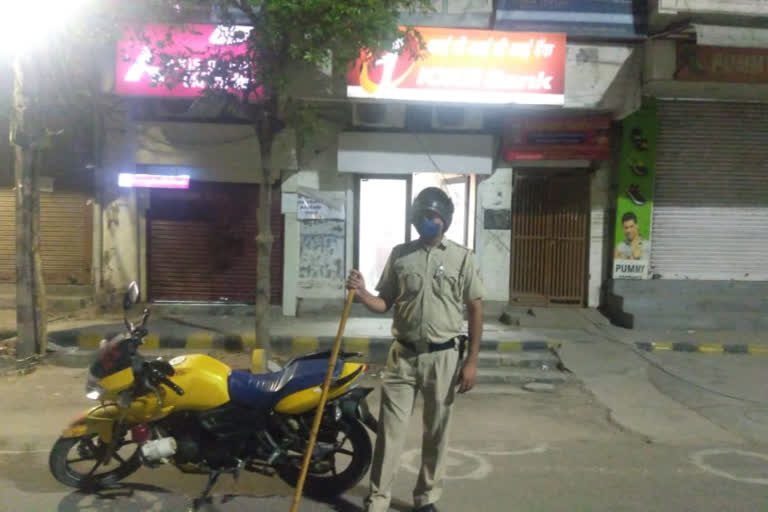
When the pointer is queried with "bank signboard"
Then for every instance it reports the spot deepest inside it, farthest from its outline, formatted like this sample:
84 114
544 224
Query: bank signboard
466 66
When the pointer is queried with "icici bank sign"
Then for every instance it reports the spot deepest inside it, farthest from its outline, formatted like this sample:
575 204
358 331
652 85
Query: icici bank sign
192 48
467 66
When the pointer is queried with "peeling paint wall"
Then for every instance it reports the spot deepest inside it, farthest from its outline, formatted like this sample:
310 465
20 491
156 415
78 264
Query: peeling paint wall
120 231
493 245
318 253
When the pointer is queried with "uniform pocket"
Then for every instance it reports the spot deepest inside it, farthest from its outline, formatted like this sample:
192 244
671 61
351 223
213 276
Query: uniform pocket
447 285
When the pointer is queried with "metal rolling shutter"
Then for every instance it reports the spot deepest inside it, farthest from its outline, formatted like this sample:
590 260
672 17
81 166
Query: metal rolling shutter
202 244
711 203
66 235
7 236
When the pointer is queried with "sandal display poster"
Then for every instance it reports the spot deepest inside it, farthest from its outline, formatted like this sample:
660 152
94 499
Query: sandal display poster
634 206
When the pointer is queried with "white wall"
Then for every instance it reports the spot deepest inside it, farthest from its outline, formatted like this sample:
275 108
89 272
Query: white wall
493 246
603 77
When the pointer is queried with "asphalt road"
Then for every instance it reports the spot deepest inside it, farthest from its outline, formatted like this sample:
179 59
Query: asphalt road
519 452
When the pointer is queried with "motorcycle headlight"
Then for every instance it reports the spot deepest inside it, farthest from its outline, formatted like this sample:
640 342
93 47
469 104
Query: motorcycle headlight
92 390
94 395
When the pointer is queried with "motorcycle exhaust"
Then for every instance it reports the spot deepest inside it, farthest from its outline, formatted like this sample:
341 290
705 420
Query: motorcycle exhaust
159 449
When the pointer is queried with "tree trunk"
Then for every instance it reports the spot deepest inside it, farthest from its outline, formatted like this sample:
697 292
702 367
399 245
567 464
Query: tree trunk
27 131
264 274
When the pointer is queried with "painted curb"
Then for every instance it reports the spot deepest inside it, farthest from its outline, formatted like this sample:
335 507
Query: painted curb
75 345
703 348
294 344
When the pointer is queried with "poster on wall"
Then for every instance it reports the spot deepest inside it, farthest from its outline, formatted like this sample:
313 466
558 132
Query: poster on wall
321 258
320 204
634 206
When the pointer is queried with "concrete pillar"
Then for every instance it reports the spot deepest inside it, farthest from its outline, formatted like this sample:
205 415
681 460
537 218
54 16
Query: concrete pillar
600 188
120 244
493 245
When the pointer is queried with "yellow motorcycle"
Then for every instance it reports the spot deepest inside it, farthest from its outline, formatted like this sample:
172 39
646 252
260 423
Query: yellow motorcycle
198 414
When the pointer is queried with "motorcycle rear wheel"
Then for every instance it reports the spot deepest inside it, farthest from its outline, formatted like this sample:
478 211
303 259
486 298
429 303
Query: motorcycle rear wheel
89 450
355 445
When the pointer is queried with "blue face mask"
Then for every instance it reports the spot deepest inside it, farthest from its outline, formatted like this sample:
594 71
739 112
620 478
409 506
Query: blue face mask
429 229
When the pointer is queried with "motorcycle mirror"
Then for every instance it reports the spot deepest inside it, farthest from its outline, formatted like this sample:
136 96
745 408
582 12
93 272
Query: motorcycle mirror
131 296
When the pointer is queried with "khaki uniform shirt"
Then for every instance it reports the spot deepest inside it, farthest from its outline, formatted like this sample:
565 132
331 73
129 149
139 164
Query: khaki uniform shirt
428 288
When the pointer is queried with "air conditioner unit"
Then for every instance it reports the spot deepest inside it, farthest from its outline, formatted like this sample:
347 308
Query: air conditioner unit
378 115
457 118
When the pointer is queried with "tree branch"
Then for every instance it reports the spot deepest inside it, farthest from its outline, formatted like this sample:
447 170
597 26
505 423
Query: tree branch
248 10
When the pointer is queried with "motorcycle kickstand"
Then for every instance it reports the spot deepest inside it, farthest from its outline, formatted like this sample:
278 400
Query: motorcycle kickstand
213 477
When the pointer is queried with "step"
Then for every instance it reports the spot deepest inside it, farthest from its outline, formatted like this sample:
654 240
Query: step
539 360
520 376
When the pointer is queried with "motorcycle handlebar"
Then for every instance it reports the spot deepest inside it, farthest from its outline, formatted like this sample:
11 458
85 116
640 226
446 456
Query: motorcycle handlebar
168 382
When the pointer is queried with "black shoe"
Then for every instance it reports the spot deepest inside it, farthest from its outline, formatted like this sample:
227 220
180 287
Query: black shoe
426 508
638 168
638 140
633 192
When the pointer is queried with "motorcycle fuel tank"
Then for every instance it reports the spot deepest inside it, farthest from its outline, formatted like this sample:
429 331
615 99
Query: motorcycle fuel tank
204 381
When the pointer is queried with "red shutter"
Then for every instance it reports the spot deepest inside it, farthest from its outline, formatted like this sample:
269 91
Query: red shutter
202 244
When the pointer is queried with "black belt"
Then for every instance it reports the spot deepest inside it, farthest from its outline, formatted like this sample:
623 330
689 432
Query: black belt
459 341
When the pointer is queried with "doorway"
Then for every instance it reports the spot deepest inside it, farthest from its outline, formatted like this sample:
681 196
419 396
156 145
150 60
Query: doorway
550 238
383 205
382 222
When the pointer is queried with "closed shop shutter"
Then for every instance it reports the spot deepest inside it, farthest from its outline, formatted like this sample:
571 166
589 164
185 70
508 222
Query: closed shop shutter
202 244
711 202
66 235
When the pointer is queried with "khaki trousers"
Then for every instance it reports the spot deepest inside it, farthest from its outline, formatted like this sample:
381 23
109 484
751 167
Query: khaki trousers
407 373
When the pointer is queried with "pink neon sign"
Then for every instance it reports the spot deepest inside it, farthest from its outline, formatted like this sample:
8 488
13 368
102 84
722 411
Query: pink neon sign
130 180
136 75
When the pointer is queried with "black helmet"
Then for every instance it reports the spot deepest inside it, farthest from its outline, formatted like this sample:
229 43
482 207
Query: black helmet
433 200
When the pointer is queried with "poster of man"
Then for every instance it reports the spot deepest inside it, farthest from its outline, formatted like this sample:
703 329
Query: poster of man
633 247
634 204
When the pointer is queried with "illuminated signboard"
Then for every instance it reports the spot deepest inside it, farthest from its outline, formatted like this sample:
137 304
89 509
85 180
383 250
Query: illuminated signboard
195 46
130 180
467 66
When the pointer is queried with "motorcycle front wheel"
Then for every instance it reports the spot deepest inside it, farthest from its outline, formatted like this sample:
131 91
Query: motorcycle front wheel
79 462
348 460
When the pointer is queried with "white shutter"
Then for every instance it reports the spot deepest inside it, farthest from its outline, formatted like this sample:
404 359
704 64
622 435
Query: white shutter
710 217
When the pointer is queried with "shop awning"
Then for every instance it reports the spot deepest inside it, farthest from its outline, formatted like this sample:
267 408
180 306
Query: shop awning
407 153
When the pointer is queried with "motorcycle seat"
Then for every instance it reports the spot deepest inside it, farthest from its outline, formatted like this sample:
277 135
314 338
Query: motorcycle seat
263 391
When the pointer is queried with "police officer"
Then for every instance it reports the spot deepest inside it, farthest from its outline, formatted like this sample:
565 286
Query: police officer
428 281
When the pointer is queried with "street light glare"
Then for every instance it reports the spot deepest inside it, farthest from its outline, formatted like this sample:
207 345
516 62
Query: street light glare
27 26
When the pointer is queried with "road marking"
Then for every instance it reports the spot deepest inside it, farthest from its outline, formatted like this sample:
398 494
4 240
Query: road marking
21 452
473 462
464 460
539 448
699 457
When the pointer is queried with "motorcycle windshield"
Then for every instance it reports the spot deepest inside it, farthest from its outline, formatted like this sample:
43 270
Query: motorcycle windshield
114 355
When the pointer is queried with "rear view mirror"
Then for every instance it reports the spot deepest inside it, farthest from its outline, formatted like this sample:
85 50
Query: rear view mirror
131 296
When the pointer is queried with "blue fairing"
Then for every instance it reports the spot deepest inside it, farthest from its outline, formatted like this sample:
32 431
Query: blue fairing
263 391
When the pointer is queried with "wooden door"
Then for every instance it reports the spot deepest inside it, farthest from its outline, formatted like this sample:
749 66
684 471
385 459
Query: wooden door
550 239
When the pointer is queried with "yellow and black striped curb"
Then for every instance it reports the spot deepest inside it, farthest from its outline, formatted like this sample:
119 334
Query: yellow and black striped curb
288 345
704 348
